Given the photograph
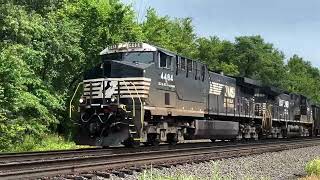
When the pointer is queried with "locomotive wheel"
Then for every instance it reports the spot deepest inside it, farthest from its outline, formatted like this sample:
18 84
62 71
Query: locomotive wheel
133 144
172 139
153 139
152 143
156 142
130 143
146 144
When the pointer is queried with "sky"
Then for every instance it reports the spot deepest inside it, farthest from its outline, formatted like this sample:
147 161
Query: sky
293 26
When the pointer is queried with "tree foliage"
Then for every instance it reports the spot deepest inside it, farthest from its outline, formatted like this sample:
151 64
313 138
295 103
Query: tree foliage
45 48
218 54
303 78
47 45
259 60
174 34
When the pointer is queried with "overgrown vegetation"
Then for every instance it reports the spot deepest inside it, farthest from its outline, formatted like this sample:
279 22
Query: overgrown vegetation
46 143
313 167
47 45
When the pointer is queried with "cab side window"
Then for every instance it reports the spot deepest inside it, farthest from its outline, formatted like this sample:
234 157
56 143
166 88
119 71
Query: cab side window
203 72
165 61
195 66
177 64
189 67
183 63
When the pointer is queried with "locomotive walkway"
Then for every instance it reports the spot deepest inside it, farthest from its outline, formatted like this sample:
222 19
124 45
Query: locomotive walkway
103 161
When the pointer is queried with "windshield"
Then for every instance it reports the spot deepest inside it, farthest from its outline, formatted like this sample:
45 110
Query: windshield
135 57
113 56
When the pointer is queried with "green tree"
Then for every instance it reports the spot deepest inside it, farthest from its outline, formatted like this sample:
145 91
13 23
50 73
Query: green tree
45 49
259 60
28 106
101 23
174 34
217 54
303 78
40 6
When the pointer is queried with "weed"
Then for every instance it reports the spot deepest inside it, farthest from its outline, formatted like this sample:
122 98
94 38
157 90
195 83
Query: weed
313 167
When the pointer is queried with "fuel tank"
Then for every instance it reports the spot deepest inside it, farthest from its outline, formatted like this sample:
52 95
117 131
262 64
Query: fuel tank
215 129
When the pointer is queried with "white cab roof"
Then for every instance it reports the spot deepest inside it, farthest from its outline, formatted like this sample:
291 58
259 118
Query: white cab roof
127 47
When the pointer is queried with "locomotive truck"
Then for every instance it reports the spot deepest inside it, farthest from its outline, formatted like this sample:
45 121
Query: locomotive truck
141 93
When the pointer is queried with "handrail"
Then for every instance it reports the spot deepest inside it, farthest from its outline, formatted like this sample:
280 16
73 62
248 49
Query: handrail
133 104
141 106
70 103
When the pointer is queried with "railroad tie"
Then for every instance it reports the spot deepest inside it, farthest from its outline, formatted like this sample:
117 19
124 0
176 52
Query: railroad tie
126 171
88 176
119 174
165 165
136 169
103 174
79 178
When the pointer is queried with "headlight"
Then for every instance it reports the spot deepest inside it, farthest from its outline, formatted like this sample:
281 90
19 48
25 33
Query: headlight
113 99
81 100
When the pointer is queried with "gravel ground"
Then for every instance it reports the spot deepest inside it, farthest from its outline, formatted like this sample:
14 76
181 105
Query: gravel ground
277 165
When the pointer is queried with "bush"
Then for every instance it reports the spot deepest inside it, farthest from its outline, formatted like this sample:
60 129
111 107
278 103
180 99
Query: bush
313 167
45 143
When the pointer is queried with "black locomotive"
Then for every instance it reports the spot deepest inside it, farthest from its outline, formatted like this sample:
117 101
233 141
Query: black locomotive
142 93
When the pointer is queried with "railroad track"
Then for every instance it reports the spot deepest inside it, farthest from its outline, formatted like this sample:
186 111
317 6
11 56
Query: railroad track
135 160
40 155
58 154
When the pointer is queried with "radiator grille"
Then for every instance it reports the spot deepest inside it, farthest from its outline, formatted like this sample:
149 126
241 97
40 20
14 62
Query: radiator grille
136 87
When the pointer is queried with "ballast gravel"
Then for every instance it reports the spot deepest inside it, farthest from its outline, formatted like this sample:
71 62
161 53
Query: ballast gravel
281 165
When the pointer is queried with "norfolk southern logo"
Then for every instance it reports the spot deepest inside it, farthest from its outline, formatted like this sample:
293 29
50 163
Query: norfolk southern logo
110 88
216 89
167 78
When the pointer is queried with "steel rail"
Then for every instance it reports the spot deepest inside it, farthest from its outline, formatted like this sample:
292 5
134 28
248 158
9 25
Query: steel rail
71 165
58 154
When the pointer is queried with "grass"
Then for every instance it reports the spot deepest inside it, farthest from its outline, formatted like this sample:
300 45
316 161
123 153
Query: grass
312 177
312 168
45 143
